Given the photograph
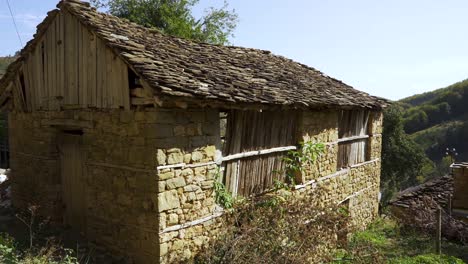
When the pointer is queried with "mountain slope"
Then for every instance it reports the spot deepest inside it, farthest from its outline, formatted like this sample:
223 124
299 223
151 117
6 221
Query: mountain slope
438 120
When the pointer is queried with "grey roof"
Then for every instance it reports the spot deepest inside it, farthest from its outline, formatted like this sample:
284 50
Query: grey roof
198 71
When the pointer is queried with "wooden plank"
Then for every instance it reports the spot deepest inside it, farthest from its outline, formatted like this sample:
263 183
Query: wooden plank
50 69
258 152
83 41
33 78
20 104
125 85
27 84
60 60
101 72
71 60
45 91
38 70
54 76
91 67
67 123
110 79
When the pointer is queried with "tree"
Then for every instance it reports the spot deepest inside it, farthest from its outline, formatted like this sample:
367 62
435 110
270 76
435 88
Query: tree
174 17
403 161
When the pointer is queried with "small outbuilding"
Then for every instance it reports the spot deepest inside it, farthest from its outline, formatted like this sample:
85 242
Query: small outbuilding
120 131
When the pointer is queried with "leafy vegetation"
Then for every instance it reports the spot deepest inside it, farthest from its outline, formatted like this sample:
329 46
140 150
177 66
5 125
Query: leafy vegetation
296 161
174 17
10 253
403 161
398 244
222 196
275 229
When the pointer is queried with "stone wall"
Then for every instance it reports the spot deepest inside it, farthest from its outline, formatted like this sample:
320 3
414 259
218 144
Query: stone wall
358 185
150 175
124 199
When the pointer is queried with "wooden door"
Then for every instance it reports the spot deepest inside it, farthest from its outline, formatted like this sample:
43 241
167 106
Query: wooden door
73 181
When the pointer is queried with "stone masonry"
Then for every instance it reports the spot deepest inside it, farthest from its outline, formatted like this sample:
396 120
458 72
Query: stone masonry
150 174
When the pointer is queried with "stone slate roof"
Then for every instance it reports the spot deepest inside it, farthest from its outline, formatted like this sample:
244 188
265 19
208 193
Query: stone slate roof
438 189
227 74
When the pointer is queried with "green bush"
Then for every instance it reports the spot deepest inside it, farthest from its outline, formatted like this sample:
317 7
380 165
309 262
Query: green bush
427 259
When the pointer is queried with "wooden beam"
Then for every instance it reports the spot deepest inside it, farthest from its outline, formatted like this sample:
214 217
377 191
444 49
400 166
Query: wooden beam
258 152
352 138
68 123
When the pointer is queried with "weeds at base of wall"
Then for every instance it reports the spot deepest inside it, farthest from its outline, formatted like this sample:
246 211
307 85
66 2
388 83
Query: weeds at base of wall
222 196
277 229
10 253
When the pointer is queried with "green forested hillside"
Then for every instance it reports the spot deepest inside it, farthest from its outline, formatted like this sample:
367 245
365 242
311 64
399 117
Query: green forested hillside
438 120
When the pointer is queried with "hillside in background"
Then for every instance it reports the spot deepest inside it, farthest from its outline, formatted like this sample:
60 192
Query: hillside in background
438 120
4 62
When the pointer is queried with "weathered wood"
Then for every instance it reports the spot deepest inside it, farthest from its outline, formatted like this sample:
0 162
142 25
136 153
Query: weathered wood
52 53
60 60
84 44
347 139
120 167
39 73
142 101
258 152
125 85
27 84
192 223
141 93
73 181
91 67
101 73
68 123
438 217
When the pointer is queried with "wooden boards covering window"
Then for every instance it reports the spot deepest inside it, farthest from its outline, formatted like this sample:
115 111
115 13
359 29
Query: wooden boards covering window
252 130
352 123
70 67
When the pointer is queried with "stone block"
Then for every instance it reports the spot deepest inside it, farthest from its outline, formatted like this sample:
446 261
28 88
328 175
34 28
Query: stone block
161 186
187 158
157 131
175 158
168 200
179 131
197 156
210 151
173 219
175 183
166 175
126 116
163 249
161 157
187 172
191 188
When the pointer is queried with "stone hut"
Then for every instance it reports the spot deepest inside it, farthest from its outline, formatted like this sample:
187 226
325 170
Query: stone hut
119 131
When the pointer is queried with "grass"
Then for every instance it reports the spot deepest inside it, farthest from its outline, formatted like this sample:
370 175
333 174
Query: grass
398 245
12 253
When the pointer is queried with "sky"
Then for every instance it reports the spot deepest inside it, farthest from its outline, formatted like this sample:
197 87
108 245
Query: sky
391 49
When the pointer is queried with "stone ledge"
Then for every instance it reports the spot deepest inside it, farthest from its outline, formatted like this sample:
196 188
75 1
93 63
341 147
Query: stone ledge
216 214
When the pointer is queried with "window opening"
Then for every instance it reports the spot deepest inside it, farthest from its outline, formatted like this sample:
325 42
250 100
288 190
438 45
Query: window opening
353 137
